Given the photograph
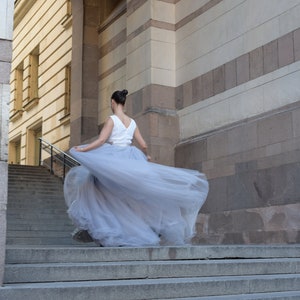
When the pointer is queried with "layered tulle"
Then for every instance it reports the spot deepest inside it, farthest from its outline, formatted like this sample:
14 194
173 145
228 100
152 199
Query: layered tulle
121 199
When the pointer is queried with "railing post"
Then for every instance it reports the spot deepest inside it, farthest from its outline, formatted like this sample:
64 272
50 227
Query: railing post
64 167
60 158
51 160
40 152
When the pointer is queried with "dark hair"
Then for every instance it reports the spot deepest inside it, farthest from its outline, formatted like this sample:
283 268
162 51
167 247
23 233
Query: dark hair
119 96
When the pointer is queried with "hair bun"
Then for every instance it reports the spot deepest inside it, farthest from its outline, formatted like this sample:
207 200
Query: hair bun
124 93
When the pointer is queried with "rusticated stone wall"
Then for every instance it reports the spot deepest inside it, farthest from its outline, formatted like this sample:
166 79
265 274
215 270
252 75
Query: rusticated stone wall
254 172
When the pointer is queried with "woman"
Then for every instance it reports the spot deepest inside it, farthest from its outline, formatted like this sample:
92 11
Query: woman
117 197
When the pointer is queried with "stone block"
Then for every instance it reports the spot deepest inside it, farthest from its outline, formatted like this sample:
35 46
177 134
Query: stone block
187 94
207 85
242 138
197 89
270 52
273 149
222 171
5 51
248 166
267 237
2 242
179 97
89 127
279 185
5 72
90 107
230 75
190 155
296 122
274 129
168 127
91 15
242 69
247 221
243 191
220 222
217 145
3 203
153 119
161 96
233 238
137 102
296 38
285 50
217 197
219 80
256 63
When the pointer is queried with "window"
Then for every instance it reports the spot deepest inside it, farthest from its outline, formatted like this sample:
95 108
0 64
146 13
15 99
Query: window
18 95
32 87
69 8
33 74
67 89
18 88
68 18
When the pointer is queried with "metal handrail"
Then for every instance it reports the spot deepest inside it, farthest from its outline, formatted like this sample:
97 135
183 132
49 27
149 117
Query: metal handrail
56 156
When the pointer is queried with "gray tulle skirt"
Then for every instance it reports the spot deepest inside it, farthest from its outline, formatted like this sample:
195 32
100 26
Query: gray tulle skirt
121 199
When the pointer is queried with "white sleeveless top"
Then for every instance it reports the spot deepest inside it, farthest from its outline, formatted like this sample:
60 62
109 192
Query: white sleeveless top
121 135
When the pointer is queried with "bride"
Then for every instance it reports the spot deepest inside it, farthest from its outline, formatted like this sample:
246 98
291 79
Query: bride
118 197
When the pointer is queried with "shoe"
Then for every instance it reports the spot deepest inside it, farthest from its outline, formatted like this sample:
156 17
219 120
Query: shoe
82 236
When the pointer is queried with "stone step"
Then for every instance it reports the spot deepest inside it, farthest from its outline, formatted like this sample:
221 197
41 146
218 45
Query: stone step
19 212
49 232
41 210
37 205
290 295
44 241
27 254
51 272
40 227
41 221
27 192
40 214
30 201
168 288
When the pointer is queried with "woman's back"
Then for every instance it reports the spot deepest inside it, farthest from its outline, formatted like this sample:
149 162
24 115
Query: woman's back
122 135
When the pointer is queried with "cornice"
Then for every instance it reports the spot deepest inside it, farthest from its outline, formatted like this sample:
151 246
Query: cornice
21 9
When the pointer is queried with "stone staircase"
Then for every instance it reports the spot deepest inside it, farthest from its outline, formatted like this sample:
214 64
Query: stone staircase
36 210
40 265
195 272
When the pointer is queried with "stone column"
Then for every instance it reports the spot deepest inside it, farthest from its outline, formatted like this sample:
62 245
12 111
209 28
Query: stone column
150 75
6 27
84 81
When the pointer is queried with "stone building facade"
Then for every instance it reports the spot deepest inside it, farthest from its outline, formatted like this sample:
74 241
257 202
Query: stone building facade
213 85
40 78
6 29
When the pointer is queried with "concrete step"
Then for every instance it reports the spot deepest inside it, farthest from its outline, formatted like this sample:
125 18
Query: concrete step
36 210
40 227
290 295
44 241
51 272
39 210
39 234
28 254
38 215
169 288
32 201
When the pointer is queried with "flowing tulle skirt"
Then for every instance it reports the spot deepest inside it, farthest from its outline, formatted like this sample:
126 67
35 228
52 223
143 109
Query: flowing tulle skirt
121 199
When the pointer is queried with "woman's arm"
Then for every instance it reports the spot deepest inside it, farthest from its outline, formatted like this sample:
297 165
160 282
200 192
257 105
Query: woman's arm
103 136
141 142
